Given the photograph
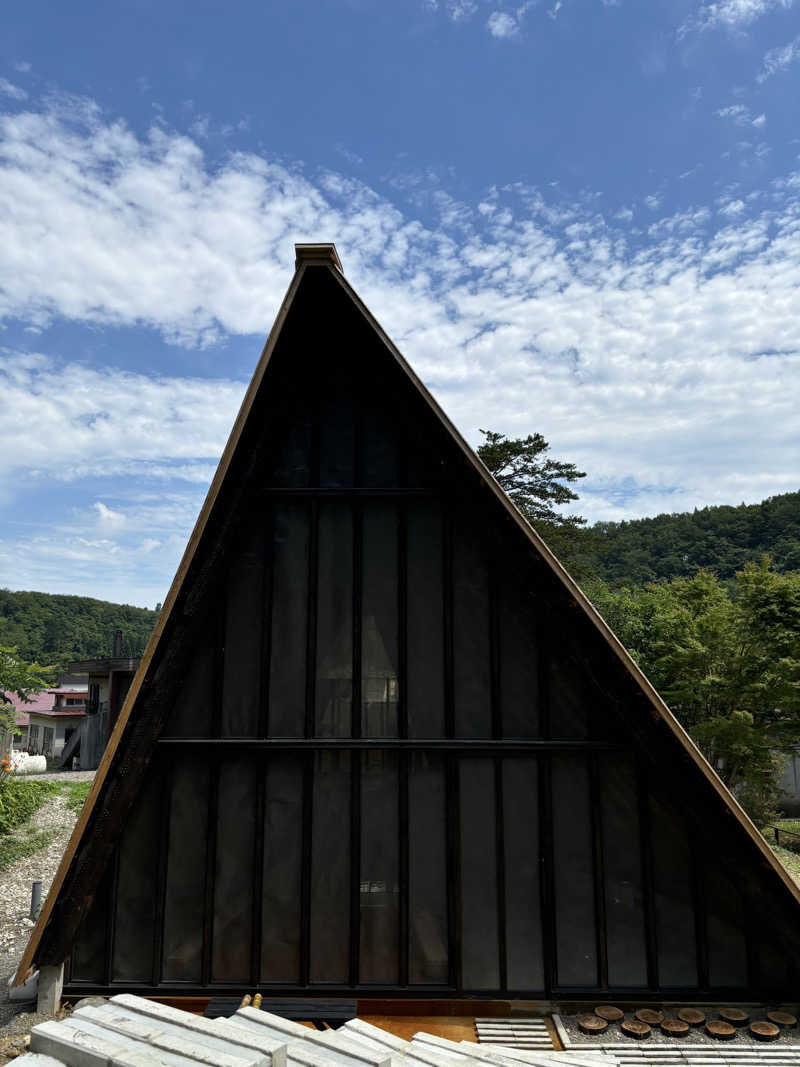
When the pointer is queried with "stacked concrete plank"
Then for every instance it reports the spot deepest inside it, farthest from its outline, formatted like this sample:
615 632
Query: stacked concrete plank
514 1033
128 1031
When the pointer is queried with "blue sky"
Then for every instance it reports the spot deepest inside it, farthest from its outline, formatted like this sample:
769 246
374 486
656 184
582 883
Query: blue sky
580 217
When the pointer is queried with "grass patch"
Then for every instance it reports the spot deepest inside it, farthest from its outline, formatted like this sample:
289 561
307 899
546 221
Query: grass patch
790 860
17 847
20 799
76 794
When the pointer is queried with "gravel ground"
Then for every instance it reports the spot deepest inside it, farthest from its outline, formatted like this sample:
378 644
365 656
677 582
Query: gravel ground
60 776
15 901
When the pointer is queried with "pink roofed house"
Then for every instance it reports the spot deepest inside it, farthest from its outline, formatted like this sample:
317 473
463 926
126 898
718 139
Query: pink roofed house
46 721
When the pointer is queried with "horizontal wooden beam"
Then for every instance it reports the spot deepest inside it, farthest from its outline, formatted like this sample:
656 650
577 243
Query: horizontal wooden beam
453 744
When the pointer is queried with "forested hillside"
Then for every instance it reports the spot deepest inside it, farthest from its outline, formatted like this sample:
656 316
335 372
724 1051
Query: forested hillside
719 539
53 629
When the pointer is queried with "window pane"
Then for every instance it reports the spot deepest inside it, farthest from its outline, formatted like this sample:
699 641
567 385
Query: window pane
573 872
192 713
379 891
570 700
335 620
243 632
672 875
622 864
186 871
524 959
727 947
379 621
287 686
292 453
135 903
233 883
480 950
379 462
425 633
283 844
471 636
89 949
519 683
336 436
427 870
330 868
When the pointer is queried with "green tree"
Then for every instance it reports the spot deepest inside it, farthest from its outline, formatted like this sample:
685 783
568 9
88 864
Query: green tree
533 480
20 678
725 659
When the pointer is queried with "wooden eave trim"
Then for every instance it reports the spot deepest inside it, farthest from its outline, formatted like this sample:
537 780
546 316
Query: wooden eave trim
482 471
29 954
572 587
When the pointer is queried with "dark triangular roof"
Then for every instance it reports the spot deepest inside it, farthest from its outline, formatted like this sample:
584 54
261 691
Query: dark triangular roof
127 755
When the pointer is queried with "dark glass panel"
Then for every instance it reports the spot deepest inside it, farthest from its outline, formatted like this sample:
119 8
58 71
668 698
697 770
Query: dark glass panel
330 868
471 626
622 863
283 846
186 871
89 948
379 620
427 870
524 958
379 462
244 617
570 700
379 897
290 569
135 904
425 633
292 454
334 688
235 871
479 944
672 876
573 873
519 685
192 713
336 436
725 924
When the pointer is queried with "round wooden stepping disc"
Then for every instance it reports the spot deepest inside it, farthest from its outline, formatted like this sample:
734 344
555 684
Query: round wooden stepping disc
675 1028
782 1018
764 1031
592 1024
607 1011
735 1016
692 1016
720 1029
634 1028
648 1015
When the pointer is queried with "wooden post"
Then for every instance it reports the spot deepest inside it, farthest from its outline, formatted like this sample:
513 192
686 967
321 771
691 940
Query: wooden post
51 983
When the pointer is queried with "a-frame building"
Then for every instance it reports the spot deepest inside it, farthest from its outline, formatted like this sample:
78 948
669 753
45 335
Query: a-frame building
381 745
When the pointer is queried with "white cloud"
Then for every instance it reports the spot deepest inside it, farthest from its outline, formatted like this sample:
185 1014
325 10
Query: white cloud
8 88
759 121
98 423
22 66
666 364
502 25
778 59
738 112
731 14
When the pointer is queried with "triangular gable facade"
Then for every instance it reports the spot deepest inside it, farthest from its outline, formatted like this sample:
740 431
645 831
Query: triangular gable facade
381 744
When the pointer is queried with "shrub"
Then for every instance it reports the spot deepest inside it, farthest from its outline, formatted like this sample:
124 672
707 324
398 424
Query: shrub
20 799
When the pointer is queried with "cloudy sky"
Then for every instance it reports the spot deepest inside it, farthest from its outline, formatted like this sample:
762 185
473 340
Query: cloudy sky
578 217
